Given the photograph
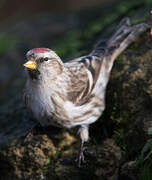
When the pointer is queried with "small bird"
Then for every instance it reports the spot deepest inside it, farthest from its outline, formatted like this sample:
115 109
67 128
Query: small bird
73 93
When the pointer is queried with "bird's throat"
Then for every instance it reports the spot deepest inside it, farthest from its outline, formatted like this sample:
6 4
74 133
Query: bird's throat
34 74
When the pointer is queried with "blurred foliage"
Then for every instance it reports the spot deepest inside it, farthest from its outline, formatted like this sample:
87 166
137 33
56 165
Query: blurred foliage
7 42
70 44
145 159
93 24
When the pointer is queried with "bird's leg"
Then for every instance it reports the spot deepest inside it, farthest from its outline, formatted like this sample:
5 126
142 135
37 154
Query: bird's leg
28 136
83 132
80 158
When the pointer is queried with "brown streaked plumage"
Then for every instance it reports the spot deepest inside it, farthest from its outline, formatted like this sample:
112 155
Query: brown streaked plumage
72 94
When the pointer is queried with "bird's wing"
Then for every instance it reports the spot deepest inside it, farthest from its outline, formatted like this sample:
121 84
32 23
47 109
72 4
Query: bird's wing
90 72
84 73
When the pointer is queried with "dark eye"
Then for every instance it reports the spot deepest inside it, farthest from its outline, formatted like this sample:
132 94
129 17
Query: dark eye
46 59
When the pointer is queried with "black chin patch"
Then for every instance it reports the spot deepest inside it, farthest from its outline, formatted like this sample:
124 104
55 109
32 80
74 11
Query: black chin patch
34 73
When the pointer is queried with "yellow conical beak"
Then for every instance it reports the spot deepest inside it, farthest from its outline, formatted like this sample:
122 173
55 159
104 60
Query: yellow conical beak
30 64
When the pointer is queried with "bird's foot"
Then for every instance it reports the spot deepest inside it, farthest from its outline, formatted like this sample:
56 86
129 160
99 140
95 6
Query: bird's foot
29 135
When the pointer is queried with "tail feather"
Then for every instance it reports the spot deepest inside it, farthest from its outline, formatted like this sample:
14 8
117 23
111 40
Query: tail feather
108 51
124 35
122 41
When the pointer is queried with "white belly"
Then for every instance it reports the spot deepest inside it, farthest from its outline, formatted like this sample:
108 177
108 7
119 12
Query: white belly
41 106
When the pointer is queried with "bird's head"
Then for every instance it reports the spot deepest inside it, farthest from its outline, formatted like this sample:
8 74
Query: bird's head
43 62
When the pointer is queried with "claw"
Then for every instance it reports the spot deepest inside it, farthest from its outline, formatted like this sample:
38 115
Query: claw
29 135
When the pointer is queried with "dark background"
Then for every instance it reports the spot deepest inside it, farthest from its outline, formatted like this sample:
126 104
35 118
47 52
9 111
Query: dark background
22 10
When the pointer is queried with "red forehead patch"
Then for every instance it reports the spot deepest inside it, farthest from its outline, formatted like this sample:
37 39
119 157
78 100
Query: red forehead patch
40 50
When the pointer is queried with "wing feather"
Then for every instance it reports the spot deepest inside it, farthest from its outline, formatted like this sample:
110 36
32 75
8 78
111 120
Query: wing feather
83 74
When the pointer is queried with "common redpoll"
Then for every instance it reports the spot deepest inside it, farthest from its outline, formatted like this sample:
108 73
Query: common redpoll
73 93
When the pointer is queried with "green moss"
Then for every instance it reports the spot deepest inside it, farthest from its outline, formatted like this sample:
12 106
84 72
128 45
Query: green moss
146 172
56 155
144 161
145 165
